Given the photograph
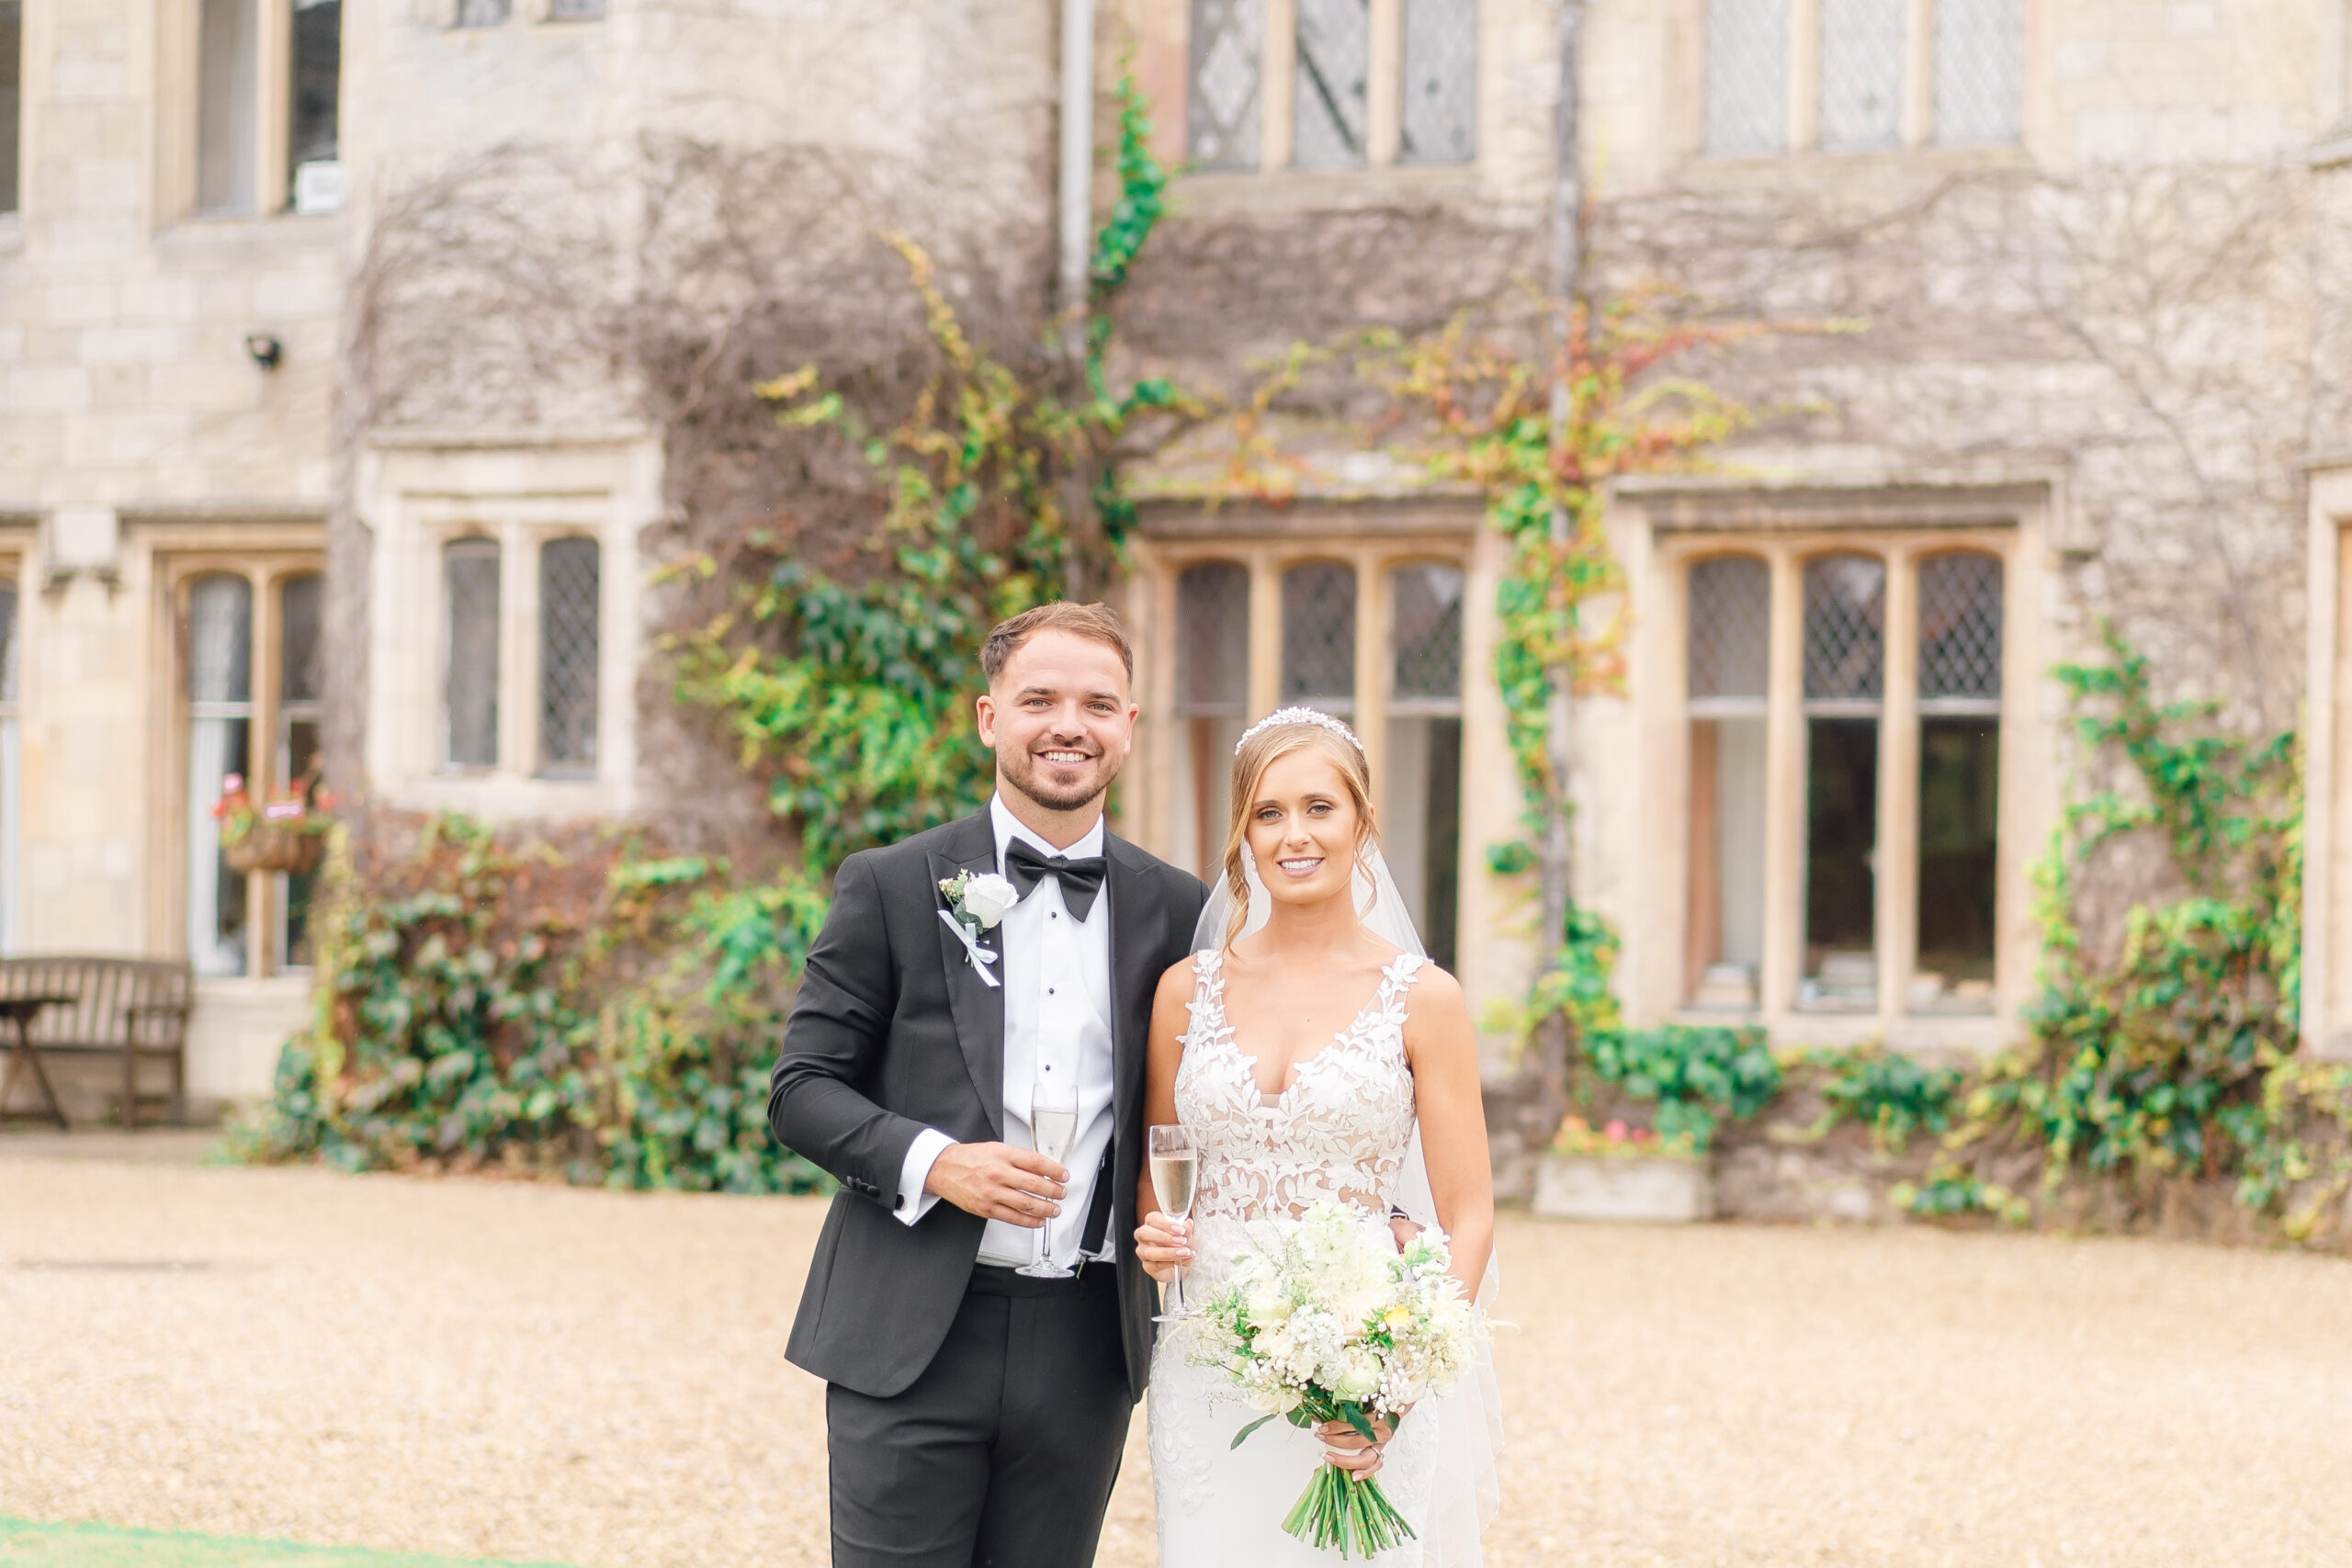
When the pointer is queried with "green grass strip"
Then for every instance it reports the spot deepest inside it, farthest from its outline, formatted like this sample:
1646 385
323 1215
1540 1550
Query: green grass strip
24 1544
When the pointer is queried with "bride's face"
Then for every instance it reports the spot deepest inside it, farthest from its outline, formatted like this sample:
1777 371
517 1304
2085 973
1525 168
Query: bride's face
1304 829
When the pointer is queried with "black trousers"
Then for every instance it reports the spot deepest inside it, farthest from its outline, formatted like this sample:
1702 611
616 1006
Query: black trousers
1002 1454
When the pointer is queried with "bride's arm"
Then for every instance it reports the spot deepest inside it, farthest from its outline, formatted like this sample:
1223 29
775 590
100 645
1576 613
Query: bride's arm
1443 1049
1159 1244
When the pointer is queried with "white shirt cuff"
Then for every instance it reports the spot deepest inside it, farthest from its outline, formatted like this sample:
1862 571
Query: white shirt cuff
914 1201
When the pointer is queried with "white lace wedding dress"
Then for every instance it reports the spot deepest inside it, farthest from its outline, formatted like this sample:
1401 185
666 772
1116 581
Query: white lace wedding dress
1343 1129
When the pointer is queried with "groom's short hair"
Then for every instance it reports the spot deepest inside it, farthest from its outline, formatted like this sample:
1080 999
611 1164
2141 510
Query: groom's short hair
1096 623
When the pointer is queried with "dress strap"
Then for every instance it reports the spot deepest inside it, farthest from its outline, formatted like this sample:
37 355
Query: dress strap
1398 978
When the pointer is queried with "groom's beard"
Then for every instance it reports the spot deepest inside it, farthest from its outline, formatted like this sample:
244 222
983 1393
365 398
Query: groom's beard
1023 771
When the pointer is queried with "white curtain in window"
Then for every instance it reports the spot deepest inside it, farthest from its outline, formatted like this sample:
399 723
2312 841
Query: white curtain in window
220 697
228 50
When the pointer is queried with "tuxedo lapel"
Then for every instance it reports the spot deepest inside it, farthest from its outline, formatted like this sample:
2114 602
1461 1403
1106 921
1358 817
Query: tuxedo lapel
979 1007
1139 934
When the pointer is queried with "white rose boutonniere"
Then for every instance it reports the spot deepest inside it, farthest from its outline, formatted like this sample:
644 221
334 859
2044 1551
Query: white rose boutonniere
976 904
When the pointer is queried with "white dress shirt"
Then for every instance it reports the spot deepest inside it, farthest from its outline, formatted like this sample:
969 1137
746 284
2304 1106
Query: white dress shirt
1057 973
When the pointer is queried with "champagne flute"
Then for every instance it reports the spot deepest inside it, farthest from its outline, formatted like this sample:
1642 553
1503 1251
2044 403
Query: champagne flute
1175 1165
1053 1128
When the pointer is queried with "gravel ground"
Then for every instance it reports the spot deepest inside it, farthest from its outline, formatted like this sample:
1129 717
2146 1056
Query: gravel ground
480 1369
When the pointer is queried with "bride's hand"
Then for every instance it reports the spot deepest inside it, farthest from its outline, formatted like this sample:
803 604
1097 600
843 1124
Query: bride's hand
1345 1448
1161 1244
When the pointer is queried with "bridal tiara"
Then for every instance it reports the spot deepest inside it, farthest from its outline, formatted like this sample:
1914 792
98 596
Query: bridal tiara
1298 716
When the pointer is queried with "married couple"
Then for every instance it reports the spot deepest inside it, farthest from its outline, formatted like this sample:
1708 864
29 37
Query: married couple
976 1414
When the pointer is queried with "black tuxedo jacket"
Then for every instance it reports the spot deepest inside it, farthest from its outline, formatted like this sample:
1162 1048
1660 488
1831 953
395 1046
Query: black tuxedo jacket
894 1032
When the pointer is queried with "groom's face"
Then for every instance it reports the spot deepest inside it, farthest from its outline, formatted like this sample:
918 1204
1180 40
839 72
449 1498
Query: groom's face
1060 719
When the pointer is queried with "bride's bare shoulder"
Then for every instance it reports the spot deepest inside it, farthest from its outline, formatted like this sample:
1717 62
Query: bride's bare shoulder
1176 987
1436 997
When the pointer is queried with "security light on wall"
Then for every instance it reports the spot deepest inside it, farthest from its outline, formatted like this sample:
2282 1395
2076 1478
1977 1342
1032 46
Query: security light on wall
266 349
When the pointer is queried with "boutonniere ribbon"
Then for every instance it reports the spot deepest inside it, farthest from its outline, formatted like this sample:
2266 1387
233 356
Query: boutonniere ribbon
976 904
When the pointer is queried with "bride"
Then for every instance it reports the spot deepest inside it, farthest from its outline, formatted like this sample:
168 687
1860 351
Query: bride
1315 1053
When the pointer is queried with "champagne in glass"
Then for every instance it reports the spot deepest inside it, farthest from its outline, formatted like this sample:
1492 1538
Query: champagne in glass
1053 1128
1175 1165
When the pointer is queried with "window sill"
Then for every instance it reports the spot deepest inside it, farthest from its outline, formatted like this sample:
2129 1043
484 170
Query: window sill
1815 166
205 230
1238 193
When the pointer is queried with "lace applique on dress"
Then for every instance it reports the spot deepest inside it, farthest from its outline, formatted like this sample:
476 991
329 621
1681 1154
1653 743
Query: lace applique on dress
1339 1129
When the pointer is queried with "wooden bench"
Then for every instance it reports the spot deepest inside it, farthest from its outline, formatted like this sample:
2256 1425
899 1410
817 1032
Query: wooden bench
132 1008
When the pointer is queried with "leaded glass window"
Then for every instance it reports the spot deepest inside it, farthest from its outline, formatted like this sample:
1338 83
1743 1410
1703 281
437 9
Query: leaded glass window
1427 638
483 13
1422 816
1729 658
1333 98
1731 605
218 661
470 583
1960 775
301 683
576 10
1212 698
1441 97
1747 76
1980 70
1845 631
1959 631
1319 636
1845 679
1221 113
1861 74
569 615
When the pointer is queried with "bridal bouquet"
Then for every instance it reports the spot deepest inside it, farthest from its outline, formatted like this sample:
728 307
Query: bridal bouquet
1336 1324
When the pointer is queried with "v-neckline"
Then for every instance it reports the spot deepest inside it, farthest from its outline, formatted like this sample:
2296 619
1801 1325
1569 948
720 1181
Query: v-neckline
1339 1037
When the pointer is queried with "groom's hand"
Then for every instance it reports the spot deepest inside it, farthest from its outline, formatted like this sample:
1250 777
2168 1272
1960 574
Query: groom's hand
998 1181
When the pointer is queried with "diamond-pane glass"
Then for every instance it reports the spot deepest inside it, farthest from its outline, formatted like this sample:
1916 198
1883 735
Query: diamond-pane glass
483 13
1845 628
1333 112
1731 618
1221 114
1861 74
1319 632
220 640
1212 639
568 628
1427 638
469 582
1747 76
576 10
300 652
1960 627
1980 70
8 642
1440 82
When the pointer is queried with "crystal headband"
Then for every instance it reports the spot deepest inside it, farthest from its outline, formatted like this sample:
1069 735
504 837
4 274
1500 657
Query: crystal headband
1298 716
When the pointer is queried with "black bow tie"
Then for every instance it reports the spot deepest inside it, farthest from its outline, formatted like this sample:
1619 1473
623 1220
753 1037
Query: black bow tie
1081 879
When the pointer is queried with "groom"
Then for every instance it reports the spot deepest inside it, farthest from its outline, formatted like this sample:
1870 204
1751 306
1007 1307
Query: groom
976 1415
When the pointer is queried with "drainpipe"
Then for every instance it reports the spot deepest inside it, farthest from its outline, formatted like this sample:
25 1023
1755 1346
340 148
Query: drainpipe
1076 167
1077 216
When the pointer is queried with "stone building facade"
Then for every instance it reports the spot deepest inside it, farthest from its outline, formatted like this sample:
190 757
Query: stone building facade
361 362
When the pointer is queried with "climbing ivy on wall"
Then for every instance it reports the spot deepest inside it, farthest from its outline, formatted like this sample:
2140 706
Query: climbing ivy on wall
621 1032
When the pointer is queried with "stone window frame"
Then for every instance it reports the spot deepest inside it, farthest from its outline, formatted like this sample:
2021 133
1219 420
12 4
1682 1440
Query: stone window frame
263 565
1169 22
1801 93
1676 529
179 102
1377 539
521 533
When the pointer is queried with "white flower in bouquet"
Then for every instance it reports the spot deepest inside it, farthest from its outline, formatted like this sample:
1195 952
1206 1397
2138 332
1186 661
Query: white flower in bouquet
1330 1321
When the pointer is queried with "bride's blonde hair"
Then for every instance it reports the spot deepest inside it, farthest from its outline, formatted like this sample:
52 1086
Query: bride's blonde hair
1265 743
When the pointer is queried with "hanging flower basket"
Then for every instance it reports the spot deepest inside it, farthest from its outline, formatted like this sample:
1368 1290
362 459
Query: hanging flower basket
284 835
277 846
